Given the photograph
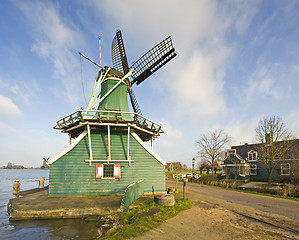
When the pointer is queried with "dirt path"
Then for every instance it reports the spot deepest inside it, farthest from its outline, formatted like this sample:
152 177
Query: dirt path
205 221
212 218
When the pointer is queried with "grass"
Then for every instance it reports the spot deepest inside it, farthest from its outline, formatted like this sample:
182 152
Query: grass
133 222
266 194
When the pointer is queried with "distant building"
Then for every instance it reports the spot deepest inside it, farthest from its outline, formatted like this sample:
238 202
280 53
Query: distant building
18 167
175 166
9 165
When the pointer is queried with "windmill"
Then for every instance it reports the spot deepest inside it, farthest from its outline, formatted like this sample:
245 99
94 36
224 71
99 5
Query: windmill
111 86
109 137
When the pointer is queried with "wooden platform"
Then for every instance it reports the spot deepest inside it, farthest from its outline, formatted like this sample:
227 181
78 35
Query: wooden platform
37 205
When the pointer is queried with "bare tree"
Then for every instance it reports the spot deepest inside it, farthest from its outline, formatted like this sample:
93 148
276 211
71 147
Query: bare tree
274 137
211 145
185 167
204 164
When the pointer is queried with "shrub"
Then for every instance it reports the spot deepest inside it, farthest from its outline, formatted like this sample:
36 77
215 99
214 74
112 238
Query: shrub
206 179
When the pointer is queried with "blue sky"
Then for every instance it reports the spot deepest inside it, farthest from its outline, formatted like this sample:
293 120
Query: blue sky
238 61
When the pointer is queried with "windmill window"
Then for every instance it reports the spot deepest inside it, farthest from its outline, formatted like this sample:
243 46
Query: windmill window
108 171
253 169
285 169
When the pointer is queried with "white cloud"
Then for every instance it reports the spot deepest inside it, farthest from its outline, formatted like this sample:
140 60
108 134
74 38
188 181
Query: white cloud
32 144
21 90
55 40
265 81
171 132
197 89
8 109
244 13
292 122
242 132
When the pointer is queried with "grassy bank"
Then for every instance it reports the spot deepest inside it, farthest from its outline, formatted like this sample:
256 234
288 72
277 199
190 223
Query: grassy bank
145 215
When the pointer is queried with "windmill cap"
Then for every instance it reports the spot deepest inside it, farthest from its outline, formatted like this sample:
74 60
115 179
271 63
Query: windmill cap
115 73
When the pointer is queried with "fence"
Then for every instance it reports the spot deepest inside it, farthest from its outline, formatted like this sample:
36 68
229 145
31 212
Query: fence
132 192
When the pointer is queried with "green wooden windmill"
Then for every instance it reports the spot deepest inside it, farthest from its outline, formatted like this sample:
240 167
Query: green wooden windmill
109 151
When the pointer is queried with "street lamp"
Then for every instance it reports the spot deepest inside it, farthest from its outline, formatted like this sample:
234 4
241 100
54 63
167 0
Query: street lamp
193 162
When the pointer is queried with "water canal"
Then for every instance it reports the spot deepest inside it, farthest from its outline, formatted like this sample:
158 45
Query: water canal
37 229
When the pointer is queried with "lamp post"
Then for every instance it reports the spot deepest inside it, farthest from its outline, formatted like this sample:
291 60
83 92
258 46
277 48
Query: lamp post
193 161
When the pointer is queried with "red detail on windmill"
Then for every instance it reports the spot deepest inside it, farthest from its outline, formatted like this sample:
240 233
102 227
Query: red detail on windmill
99 170
117 171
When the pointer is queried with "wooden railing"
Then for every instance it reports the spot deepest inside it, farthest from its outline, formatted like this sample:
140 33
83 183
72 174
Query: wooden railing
102 115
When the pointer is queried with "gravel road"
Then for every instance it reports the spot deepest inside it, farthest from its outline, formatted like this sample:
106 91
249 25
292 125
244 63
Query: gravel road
283 207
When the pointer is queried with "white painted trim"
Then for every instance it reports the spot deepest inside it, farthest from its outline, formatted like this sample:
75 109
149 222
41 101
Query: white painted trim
69 147
139 128
89 144
111 161
109 144
235 165
128 150
148 149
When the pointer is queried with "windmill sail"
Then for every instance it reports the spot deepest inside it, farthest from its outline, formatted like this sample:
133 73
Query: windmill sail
133 99
153 60
119 57
149 63
120 63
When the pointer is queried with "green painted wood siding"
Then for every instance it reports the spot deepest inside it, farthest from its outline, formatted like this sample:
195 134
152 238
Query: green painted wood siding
71 175
117 100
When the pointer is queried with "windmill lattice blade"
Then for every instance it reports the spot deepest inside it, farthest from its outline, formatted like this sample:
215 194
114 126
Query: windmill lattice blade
119 57
153 60
134 102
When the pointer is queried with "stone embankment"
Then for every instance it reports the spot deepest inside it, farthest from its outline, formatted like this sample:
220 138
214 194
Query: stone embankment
38 205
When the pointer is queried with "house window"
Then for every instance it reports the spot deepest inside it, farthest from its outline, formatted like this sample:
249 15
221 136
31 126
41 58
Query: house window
243 171
285 169
252 156
253 169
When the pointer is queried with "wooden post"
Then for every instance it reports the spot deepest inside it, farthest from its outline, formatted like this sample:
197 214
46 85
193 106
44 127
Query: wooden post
16 189
184 185
41 182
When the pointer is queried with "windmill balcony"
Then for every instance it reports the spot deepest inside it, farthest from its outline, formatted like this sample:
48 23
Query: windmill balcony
80 118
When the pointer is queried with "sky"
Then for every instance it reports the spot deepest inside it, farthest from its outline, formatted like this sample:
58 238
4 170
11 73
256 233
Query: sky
237 62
